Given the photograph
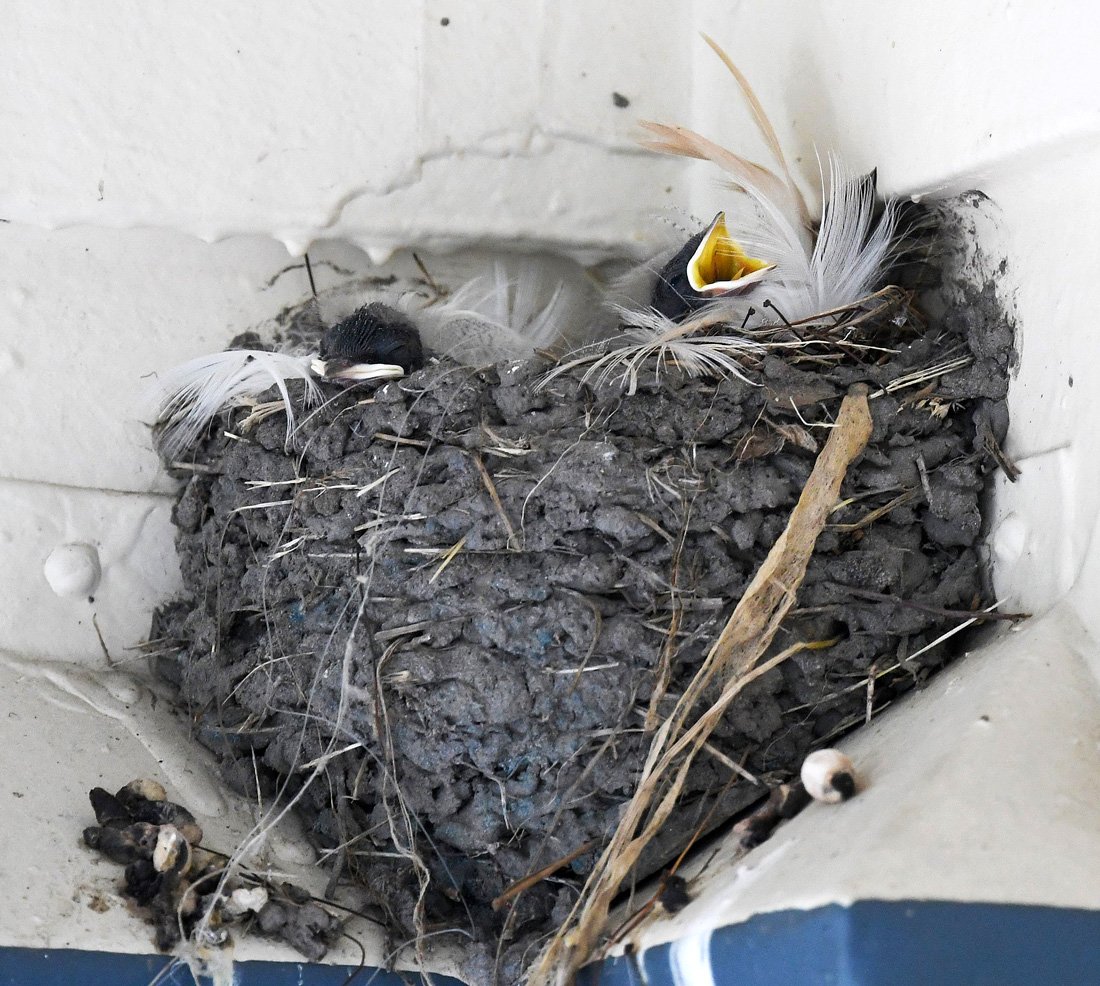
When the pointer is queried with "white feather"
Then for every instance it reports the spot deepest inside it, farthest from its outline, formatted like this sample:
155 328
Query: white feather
652 336
849 256
811 276
189 396
506 314
835 269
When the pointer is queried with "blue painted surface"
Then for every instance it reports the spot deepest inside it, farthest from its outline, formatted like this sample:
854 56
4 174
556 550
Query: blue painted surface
885 943
74 967
872 943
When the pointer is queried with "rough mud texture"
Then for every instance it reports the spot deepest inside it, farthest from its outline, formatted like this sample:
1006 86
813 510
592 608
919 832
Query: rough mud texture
464 585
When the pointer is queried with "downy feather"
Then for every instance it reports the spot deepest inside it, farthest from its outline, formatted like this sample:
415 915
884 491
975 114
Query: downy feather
812 274
189 396
506 314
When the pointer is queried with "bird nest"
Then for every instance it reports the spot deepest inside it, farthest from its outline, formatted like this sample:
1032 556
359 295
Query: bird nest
459 617
513 634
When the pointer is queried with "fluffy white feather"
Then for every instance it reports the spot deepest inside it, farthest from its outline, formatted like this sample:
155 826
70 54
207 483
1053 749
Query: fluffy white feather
189 396
651 337
811 276
849 256
835 269
506 314
810 272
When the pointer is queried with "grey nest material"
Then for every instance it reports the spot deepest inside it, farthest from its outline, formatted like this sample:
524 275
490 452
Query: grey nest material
456 596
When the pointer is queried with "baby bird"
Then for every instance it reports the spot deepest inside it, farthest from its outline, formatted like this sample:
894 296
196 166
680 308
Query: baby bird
375 341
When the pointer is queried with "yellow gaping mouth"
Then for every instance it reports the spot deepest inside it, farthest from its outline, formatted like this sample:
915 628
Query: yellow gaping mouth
720 266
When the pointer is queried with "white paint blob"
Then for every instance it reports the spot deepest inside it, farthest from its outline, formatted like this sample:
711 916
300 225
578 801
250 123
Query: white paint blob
72 570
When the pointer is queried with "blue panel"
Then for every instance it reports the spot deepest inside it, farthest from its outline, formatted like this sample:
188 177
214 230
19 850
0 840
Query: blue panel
73 967
975 944
873 943
886 943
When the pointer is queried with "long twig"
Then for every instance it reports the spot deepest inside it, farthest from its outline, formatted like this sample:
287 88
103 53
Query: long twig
539 875
926 608
877 514
668 651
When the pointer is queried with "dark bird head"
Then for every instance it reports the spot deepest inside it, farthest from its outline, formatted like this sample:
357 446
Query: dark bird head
374 335
672 296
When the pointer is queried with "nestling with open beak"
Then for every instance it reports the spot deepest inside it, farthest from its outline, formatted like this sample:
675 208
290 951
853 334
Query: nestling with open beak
776 250
711 264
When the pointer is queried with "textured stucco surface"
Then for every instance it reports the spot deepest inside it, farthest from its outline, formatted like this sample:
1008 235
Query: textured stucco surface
386 124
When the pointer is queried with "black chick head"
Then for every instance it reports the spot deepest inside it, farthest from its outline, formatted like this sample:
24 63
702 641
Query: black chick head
375 333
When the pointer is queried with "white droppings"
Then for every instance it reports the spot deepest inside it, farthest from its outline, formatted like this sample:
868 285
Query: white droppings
244 901
823 774
169 845
72 570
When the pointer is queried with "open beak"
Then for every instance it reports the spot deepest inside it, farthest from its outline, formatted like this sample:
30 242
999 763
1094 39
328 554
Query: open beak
720 266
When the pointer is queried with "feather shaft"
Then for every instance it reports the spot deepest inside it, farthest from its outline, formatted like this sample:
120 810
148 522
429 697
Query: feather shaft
771 138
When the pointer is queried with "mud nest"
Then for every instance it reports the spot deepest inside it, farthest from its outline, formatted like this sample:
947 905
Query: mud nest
445 608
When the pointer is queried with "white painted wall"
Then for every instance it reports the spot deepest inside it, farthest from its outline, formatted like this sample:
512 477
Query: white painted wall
374 122
162 159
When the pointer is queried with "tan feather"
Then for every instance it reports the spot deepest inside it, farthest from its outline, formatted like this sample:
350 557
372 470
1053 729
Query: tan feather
688 143
764 125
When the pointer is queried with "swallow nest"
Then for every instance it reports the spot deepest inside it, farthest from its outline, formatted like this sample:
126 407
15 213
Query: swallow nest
449 614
